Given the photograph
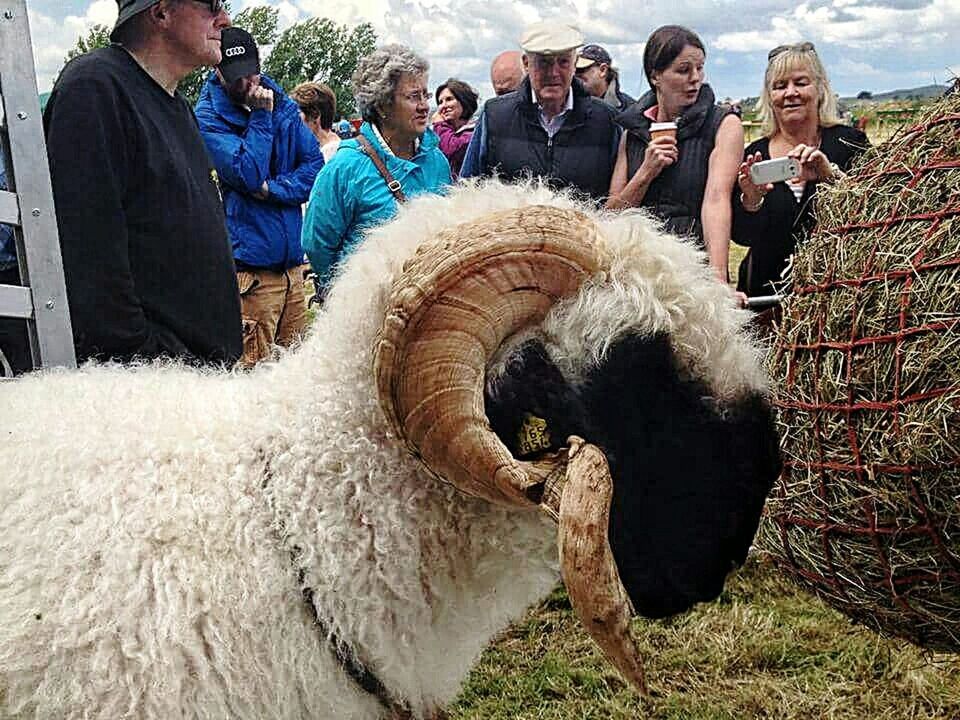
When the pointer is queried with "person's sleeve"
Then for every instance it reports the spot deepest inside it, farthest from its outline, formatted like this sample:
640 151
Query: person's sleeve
748 228
451 141
329 217
242 160
475 159
615 147
294 188
86 136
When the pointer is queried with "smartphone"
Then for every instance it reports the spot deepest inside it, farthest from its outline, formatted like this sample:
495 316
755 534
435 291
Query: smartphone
776 170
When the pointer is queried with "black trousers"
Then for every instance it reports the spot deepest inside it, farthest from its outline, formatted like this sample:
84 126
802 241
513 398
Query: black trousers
13 332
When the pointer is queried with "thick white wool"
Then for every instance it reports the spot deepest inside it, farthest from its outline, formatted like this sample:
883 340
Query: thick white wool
150 514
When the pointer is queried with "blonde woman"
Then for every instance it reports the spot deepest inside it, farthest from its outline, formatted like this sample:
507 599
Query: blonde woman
799 114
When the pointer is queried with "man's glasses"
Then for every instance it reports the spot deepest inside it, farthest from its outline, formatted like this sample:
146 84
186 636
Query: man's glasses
796 47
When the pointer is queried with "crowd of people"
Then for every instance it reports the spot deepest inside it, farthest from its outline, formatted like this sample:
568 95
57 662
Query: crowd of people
185 232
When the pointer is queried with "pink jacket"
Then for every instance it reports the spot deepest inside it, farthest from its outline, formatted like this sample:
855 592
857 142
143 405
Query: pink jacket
453 143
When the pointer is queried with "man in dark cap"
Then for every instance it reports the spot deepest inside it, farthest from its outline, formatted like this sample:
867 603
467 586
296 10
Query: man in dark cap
595 70
148 267
267 159
550 127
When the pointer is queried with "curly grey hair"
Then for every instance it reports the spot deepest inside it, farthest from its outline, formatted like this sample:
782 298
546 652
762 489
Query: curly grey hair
377 76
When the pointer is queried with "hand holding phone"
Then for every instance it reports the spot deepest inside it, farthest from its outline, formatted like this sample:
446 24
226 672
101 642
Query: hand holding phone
773 171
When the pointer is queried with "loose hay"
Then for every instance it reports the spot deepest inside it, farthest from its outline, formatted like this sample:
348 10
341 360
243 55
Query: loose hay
867 369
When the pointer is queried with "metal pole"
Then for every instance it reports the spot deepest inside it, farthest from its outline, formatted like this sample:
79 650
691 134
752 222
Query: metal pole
28 173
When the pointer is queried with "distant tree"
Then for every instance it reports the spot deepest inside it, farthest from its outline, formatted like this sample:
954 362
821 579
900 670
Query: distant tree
97 37
864 95
320 48
260 21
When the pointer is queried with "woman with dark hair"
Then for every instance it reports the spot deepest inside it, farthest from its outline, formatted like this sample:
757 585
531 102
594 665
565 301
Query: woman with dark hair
456 104
685 170
798 112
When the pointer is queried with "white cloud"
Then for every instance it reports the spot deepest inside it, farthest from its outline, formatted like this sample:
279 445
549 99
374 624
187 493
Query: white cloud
53 38
459 37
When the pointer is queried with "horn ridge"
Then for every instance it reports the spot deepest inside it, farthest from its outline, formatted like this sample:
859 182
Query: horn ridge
455 303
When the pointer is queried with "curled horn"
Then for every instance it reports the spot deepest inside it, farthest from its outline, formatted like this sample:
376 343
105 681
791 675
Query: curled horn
456 302
458 299
586 560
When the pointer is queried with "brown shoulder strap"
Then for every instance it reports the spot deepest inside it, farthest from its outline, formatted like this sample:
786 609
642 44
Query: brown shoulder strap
393 185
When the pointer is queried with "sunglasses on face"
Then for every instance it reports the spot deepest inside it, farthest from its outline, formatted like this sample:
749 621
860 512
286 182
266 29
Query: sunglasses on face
797 47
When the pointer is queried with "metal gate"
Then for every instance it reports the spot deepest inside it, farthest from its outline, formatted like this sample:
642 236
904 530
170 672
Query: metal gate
28 206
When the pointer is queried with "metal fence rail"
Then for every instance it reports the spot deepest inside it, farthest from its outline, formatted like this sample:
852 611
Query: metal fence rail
42 300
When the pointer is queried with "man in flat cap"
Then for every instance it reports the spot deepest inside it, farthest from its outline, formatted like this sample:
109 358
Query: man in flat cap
550 127
595 70
148 267
267 159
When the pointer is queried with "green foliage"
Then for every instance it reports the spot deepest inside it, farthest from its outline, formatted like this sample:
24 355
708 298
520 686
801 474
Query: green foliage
97 37
321 48
260 21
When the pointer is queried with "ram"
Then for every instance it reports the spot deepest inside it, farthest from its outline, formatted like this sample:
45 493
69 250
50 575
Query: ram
338 534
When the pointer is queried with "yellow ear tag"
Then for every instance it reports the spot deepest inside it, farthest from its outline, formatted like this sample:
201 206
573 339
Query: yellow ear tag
533 435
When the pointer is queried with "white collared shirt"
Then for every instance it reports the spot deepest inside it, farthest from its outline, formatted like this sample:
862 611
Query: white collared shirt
556 122
386 147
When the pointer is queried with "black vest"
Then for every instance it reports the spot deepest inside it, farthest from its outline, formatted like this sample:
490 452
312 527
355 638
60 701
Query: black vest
676 195
581 154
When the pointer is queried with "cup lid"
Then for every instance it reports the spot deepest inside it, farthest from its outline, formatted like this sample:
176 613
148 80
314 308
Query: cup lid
663 126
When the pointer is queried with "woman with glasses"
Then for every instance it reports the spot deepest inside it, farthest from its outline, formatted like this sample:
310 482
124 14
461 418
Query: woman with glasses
394 157
798 111
684 174
453 121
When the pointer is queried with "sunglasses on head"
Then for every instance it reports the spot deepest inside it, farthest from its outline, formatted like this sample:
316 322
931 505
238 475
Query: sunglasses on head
796 47
215 5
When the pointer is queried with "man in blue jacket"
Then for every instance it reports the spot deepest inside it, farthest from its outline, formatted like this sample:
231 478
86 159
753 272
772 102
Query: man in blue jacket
267 160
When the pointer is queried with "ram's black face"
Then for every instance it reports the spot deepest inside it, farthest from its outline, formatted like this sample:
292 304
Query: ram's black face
690 479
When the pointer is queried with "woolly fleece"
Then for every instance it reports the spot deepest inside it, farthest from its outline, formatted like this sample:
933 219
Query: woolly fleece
151 513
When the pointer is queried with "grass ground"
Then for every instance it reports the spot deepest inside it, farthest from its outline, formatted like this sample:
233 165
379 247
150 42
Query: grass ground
765 649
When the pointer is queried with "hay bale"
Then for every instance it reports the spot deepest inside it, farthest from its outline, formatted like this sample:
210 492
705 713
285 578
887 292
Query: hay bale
867 369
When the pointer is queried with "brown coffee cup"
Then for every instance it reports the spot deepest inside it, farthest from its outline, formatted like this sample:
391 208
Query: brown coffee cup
663 129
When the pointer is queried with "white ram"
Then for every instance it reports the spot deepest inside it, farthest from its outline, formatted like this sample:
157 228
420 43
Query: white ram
177 542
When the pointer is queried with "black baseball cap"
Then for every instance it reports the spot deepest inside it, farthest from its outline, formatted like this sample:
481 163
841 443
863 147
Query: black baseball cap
127 9
240 56
591 54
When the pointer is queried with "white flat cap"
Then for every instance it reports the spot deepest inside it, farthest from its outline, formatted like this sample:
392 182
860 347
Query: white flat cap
550 37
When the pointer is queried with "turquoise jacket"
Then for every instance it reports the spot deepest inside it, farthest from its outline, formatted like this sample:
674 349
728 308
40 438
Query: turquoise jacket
350 196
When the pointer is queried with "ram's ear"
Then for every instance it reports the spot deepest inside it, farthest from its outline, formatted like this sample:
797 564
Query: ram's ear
456 302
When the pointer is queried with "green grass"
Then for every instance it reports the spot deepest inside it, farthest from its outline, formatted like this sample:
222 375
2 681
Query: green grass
764 649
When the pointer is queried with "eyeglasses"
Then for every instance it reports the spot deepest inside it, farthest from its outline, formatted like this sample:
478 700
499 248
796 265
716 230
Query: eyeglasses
215 5
417 98
796 47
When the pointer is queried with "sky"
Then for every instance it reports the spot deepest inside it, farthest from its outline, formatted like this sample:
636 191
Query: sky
874 45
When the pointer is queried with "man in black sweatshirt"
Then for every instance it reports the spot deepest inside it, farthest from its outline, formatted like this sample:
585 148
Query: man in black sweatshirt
148 266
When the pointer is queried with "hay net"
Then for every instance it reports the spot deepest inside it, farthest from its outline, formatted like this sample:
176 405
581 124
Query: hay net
866 366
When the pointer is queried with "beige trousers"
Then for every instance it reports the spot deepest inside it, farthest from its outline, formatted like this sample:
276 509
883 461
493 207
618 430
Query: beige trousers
274 311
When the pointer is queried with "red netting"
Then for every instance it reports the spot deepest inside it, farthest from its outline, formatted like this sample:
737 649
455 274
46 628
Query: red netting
867 366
